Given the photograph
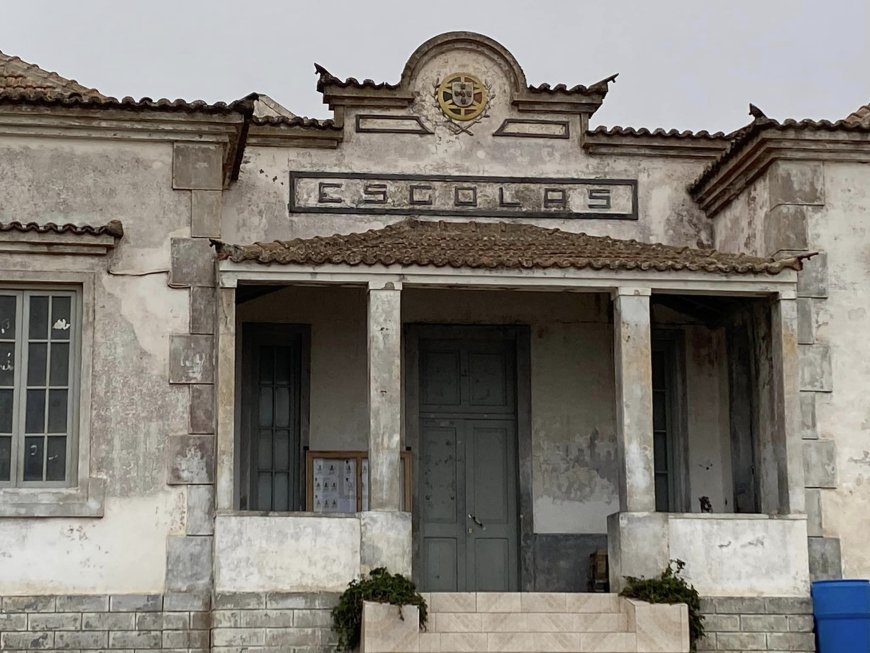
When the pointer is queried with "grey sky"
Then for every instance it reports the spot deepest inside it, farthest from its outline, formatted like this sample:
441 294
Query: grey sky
689 64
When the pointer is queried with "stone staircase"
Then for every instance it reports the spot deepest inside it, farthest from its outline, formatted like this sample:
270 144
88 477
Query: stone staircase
472 622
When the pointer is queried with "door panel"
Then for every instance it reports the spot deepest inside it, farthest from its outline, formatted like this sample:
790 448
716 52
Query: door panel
468 465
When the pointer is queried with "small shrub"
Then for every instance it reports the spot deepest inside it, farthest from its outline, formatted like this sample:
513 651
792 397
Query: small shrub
379 586
670 587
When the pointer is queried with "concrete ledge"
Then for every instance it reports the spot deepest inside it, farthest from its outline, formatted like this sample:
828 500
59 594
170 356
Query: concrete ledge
300 553
725 554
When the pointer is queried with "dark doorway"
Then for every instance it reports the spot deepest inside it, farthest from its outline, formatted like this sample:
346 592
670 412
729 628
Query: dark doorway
467 481
273 412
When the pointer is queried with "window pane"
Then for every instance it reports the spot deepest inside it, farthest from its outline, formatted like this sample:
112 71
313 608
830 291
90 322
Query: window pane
57 401
266 362
5 458
281 500
660 410
7 363
38 317
264 451
660 452
33 455
37 358
282 449
61 317
59 374
283 360
55 466
264 491
662 503
35 419
282 406
6 411
266 406
7 317
658 369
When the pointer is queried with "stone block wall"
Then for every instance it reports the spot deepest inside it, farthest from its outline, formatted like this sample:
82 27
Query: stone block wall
183 622
276 621
758 624
177 622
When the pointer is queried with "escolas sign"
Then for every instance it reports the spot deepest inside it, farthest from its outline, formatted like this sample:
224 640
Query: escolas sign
446 195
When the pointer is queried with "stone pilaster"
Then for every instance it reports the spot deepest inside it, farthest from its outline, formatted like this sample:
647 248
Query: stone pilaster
385 395
633 367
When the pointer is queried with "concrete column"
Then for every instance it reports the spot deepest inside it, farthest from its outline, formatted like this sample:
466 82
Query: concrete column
385 395
634 423
787 404
226 398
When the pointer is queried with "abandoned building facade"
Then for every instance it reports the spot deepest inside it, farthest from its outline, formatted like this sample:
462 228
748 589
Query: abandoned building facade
247 356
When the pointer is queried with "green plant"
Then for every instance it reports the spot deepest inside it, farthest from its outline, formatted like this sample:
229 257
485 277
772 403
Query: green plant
379 586
670 587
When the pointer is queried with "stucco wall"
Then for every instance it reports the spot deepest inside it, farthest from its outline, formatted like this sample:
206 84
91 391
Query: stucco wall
842 322
133 407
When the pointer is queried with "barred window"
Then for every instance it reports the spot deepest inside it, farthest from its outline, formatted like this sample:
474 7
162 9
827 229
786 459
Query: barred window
39 351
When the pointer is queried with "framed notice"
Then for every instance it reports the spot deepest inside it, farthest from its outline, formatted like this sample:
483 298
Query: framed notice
338 481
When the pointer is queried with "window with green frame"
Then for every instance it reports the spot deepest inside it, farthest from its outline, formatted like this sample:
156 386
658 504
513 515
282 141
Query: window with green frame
40 336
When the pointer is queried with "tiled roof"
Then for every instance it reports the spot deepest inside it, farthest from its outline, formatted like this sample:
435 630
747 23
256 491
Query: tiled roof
326 78
18 76
112 228
617 130
746 134
495 245
598 87
295 121
861 115
243 105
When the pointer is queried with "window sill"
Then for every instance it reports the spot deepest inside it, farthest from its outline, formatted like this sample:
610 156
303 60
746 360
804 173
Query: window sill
84 501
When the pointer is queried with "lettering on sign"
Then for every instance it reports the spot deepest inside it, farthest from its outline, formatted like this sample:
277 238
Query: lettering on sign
500 197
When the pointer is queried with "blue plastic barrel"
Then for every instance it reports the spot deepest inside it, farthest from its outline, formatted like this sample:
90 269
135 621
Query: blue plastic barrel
842 613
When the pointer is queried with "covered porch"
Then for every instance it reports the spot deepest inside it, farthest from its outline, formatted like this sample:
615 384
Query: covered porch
503 401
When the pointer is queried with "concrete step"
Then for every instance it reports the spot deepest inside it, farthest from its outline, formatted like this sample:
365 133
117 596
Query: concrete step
527 622
517 602
527 642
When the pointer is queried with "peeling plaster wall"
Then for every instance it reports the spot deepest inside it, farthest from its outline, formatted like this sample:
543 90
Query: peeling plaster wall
133 407
739 227
255 208
843 322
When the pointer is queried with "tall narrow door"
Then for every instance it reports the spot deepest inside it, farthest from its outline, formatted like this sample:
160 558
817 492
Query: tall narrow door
468 465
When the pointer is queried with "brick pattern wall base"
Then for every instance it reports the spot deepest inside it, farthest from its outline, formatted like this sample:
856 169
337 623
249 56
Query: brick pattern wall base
179 622
758 624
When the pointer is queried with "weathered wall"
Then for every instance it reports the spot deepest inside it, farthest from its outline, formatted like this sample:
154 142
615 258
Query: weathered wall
841 323
133 408
739 227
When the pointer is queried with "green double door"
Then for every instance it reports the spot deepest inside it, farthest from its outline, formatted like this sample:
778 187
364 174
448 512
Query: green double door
467 492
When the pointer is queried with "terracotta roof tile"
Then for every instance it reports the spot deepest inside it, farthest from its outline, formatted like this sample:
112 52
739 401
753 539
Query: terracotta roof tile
495 245
743 136
326 78
18 76
295 121
244 105
617 130
112 228
861 115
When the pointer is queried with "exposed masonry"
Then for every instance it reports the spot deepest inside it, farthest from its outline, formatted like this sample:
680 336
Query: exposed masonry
197 170
178 622
273 622
758 624
181 622
795 188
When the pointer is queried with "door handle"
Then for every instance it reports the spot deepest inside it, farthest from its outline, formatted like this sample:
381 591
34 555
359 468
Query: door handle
477 521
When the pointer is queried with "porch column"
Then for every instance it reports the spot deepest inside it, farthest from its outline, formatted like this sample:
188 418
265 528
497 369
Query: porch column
786 387
226 399
634 423
385 395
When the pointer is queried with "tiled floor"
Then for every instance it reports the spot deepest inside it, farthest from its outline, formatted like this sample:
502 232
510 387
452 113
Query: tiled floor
531 623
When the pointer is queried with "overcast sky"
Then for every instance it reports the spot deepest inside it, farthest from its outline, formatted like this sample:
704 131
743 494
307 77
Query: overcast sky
689 64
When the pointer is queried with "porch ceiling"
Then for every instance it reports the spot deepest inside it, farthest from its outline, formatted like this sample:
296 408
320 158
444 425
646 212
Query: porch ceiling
492 246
